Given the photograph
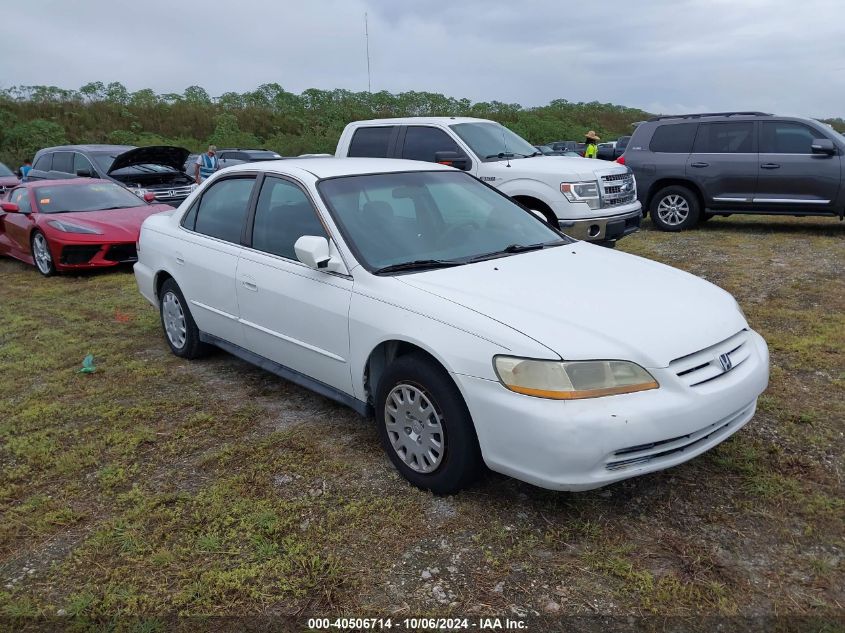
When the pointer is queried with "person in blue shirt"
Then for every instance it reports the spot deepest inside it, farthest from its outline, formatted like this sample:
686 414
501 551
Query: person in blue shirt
206 164
25 169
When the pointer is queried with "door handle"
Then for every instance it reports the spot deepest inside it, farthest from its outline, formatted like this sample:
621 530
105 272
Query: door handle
699 164
249 285
770 166
179 259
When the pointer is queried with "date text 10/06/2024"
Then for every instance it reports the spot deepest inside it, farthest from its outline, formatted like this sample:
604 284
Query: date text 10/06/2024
417 624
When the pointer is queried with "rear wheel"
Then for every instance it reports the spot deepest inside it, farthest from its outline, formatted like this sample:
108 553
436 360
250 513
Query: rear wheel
42 255
180 330
675 208
425 426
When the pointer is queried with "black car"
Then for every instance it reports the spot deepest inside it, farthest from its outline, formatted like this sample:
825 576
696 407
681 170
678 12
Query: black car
568 146
691 167
612 151
545 150
157 169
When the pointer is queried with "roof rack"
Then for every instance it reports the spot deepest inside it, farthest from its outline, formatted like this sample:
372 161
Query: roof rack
707 114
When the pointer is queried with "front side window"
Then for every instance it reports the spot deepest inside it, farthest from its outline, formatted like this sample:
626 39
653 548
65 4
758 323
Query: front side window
20 197
786 137
421 143
674 138
370 142
454 217
725 138
82 164
283 215
85 196
63 162
223 208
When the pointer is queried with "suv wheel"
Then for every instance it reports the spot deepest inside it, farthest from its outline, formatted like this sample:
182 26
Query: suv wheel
425 426
180 330
675 208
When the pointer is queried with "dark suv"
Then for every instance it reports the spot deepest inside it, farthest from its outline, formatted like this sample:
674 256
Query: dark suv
694 166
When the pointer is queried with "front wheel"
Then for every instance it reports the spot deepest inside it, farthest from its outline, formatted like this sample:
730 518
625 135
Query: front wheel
180 330
675 208
42 255
425 426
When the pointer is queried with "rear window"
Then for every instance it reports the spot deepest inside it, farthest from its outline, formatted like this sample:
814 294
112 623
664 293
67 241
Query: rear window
725 138
673 138
370 142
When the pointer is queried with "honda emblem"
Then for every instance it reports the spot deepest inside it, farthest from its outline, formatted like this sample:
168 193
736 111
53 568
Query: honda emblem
725 362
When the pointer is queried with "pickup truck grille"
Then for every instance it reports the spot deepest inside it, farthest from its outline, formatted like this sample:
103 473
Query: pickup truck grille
713 362
617 189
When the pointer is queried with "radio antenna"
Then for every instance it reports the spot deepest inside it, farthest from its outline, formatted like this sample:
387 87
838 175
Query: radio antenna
367 39
505 143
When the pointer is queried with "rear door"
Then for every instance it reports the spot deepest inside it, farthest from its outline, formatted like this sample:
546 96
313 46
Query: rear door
292 314
62 166
791 177
206 259
723 163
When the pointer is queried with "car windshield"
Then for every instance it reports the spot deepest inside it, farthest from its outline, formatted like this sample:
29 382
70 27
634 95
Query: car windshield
105 162
490 140
72 198
263 155
430 218
5 171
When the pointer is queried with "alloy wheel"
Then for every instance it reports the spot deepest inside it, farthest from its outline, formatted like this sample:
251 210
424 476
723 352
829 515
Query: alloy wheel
173 316
415 428
673 209
41 253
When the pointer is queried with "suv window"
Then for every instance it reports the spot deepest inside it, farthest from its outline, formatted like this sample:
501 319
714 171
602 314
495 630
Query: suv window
725 138
422 142
787 137
674 138
63 162
283 215
20 198
370 142
80 163
44 163
223 207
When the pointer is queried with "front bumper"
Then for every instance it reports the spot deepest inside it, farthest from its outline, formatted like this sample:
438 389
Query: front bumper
586 444
74 254
604 229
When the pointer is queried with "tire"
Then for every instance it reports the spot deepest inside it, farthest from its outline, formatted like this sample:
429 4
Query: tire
42 256
414 387
675 208
180 330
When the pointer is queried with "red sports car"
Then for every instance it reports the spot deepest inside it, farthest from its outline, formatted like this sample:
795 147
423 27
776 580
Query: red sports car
61 225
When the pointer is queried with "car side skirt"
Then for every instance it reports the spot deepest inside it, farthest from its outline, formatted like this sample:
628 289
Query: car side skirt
289 374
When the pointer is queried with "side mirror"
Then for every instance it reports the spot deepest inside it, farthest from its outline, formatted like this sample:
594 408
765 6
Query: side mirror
149 197
453 159
85 173
10 207
823 146
316 252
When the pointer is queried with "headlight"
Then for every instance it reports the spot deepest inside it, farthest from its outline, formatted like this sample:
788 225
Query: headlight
138 191
70 227
572 380
582 192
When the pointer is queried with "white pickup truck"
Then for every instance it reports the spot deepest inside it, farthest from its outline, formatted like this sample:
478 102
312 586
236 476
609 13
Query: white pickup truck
588 199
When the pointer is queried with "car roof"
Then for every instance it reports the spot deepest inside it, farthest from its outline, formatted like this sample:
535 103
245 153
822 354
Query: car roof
93 148
333 167
423 120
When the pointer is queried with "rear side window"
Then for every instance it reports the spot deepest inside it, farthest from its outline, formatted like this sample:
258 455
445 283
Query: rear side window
44 163
725 138
283 215
223 208
370 142
63 162
787 137
675 138
421 143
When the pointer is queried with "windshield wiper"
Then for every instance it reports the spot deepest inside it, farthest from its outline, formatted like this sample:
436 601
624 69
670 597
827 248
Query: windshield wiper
514 248
508 155
418 264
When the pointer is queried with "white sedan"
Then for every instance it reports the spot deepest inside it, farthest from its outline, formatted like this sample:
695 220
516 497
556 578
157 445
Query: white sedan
471 330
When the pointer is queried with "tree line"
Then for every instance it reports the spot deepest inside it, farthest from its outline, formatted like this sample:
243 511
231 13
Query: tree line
32 117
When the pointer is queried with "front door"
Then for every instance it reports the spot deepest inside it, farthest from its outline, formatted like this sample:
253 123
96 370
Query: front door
723 163
292 314
206 259
15 228
792 177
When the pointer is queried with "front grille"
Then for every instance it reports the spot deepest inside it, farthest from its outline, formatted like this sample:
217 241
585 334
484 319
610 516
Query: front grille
174 194
662 450
122 253
617 189
79 254
2 191
713 362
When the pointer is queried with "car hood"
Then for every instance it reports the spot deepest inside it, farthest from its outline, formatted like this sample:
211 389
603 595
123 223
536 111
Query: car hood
588 302
569 166
114 224
168 155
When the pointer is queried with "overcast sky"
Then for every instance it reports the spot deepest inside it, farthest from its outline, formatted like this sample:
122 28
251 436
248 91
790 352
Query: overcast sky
786 56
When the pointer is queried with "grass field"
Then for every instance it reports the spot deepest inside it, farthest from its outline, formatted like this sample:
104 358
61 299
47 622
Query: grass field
158 485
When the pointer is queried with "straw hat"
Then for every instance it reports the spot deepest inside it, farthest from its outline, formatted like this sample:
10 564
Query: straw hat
593 136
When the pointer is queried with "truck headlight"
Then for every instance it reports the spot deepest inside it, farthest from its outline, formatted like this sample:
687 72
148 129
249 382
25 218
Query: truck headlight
572 380
587 192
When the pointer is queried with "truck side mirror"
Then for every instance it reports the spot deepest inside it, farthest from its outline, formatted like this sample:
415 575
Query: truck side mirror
453 159
823 146
85 173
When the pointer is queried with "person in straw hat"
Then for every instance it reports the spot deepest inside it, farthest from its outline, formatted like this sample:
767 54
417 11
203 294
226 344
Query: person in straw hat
591 150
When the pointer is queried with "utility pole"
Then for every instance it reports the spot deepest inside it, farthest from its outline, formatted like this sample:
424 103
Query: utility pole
367 39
